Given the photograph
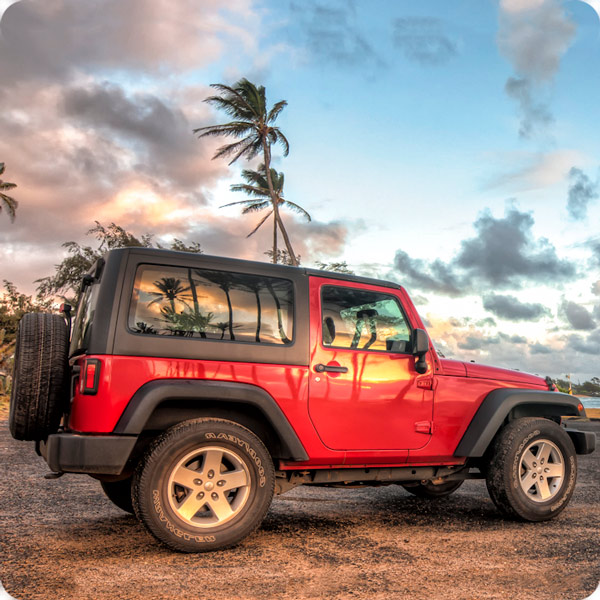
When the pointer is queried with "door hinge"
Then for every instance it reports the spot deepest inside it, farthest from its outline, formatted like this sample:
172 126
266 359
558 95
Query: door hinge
423 426
425 383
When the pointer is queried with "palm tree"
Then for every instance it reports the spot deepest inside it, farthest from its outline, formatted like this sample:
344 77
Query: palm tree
10 204
257 186
253 126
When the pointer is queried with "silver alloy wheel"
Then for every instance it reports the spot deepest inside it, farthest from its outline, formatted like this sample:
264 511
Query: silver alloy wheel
541 470
209 486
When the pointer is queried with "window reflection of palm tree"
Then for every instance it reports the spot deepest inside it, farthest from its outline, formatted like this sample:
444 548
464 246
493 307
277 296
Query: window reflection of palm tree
273 288
226 281
255 286
222 326
197 313
170 289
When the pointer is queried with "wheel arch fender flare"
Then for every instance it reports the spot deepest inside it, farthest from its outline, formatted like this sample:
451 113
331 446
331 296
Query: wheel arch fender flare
148 398
505 404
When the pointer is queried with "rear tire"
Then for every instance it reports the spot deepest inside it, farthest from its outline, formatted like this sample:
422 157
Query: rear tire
39 391
119 493
430 491
532 469
203 485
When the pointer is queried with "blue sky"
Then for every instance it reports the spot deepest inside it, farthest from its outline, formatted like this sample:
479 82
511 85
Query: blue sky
451 145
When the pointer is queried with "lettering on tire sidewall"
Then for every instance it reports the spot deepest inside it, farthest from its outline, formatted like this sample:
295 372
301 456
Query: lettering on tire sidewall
188 537
262 480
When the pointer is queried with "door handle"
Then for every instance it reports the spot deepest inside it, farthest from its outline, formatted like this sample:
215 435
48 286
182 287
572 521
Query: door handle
320 368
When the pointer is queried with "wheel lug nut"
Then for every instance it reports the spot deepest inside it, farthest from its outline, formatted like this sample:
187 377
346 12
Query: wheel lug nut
535 464
534 475
221 483
215 496
541 478
547 470
211 474
200 496
197 481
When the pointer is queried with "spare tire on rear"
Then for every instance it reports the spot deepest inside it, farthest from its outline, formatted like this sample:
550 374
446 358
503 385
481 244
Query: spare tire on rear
39 390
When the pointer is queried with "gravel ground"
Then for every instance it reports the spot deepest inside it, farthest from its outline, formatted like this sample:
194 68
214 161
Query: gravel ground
63 539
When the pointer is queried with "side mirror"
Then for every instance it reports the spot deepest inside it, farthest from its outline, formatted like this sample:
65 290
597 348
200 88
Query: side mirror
420 347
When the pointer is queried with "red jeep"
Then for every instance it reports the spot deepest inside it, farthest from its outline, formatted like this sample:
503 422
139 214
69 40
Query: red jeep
195 387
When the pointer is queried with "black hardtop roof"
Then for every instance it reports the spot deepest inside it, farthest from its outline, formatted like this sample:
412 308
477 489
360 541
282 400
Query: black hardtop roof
278 269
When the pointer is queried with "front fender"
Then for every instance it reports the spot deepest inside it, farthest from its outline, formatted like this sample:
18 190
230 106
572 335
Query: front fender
506 403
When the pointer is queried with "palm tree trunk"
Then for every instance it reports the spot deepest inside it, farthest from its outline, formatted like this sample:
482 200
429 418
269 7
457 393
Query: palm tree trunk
274 239
275 202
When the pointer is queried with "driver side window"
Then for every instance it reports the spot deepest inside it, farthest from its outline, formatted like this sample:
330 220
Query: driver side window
363 320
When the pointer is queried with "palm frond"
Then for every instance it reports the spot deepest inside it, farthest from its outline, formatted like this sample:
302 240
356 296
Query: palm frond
251 190
235 128
256 206
235 92
231 106
261 222
274 112
278 137
10 204
296 208
237 148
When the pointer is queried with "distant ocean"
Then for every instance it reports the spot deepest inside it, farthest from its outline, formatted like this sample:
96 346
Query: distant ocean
591 402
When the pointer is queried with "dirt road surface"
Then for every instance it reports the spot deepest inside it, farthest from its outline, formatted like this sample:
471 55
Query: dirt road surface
63 539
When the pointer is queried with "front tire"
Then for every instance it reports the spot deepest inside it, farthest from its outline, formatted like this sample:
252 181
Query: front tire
532 469
204 485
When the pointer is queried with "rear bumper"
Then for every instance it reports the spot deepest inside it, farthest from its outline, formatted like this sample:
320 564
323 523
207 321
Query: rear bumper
584 441
97 454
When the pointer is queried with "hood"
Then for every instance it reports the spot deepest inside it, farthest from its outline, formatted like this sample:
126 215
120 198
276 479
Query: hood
475 370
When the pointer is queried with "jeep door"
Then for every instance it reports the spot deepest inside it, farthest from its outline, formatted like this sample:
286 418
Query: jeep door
364 391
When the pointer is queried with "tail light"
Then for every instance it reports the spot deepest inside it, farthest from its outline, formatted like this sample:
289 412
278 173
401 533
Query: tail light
89 378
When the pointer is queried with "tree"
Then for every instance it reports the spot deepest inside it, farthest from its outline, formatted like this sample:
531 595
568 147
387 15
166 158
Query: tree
257 186
66 280
9 203
254 128
337 267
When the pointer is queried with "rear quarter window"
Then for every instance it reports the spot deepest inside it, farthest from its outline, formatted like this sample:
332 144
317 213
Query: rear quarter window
210 304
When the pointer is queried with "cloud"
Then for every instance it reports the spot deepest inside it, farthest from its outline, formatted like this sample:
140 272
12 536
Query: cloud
423 40
49 40
538 348
435 276
594 245
331 33
586 345
530 170
582 191
509 307
535 115
596 288
503 254
577 316
155 129
533 35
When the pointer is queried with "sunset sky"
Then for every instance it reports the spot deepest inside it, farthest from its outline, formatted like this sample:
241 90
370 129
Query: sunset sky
450 145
